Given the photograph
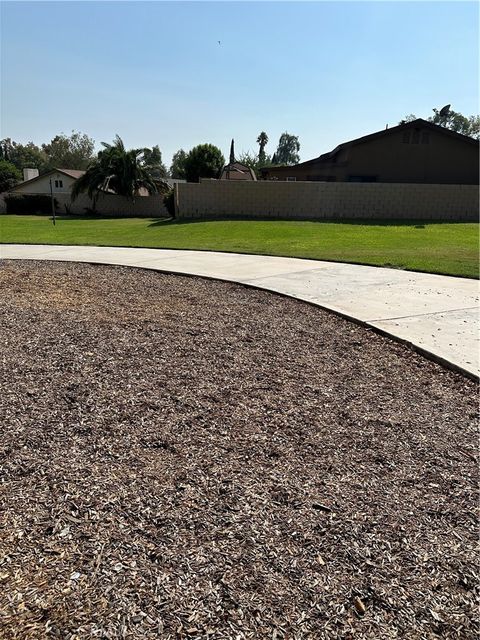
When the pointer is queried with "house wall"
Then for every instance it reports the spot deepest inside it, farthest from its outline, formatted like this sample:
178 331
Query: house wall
443 160
332 200
315 172
42 185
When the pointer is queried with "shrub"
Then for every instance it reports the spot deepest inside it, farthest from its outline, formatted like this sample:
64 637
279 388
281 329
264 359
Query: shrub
29 204
9 175
91 211
203 161
169 202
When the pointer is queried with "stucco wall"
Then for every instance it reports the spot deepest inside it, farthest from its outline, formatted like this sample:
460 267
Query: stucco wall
303 200
42 185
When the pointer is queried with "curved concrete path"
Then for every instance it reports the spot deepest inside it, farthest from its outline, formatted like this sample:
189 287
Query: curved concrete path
438 315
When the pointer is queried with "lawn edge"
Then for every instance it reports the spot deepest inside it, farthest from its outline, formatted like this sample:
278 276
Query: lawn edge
245 253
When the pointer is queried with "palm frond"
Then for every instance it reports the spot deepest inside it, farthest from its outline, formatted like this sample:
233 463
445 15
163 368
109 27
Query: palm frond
115 169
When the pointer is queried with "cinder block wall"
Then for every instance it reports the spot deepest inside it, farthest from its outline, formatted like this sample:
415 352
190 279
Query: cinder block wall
304 200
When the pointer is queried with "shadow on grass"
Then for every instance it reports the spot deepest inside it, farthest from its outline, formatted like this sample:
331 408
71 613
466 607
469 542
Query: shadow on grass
416 224
168 221
90 217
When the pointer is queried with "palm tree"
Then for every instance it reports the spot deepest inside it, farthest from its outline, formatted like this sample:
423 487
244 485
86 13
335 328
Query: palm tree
262 142
115 170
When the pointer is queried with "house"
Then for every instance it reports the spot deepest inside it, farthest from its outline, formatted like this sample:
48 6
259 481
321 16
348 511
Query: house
33 194
236 170
62 181
415 152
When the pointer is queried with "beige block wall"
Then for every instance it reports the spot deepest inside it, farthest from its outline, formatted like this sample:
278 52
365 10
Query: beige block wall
303 200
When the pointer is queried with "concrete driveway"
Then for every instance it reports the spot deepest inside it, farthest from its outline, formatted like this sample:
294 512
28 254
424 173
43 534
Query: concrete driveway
437 315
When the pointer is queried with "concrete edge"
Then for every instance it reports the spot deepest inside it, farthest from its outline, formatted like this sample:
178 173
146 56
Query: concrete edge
243 253
363 323
430 355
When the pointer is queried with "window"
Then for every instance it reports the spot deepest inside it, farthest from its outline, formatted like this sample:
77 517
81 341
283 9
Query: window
415 137
58 184
291 179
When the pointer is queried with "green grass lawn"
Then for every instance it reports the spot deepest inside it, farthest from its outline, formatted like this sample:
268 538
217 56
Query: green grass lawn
437 248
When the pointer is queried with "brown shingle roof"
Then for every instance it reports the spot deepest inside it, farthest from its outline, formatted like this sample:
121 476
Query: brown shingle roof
237 171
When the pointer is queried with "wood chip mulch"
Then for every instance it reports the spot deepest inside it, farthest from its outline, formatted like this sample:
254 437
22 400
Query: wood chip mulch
190 459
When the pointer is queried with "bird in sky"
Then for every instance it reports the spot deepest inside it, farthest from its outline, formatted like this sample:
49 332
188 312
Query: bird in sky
219 42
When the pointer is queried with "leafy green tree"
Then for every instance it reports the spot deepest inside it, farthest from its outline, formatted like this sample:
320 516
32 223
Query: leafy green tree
410 118
116 170
6 148
69 152
203 161
23 156
9 175
152 161
248 159
474 127
253 161
256 162
453 120
262 141
287 150
177 168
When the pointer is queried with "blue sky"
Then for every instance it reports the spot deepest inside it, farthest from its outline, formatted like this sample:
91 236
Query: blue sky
154 72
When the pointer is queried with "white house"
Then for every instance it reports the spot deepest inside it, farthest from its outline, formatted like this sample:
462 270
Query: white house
61 180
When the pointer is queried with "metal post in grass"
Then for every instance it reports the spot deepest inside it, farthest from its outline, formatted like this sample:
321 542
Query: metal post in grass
52 202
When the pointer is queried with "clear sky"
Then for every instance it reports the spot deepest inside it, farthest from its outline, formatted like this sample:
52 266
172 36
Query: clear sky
155 73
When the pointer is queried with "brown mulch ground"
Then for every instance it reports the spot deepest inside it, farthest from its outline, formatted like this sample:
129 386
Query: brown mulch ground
191 459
